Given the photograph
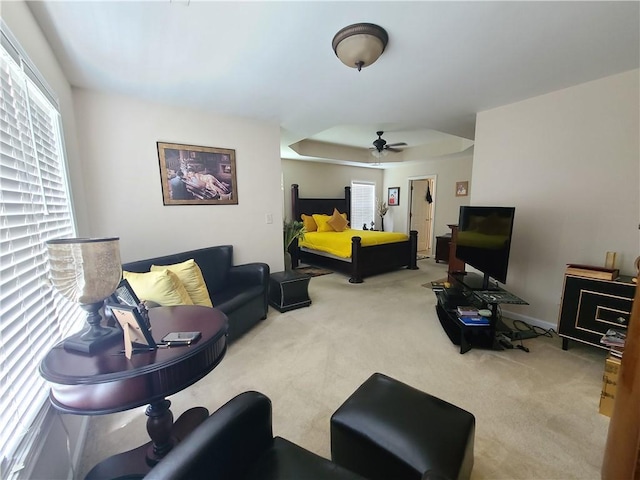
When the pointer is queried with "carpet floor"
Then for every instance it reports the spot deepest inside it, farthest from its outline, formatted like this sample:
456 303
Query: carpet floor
536 413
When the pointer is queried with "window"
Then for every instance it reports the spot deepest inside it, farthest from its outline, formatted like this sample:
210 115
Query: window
34 207
362 204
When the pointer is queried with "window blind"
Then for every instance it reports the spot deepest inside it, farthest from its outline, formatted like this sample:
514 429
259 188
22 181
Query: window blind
34 207
362 204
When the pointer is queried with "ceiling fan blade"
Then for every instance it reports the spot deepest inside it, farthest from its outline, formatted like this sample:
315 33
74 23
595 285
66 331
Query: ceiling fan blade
391 149
400 144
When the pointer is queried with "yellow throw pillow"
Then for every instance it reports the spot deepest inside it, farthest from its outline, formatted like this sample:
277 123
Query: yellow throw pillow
338 221
309 223
321 221
162 286
191 277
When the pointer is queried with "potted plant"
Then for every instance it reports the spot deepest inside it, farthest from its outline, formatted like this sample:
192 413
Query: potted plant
293 230
382 211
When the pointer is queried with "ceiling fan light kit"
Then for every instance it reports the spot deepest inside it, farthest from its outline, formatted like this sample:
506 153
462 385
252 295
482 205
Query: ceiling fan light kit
381 148
359 45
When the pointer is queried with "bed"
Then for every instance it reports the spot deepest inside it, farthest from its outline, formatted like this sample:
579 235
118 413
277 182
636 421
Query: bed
364 260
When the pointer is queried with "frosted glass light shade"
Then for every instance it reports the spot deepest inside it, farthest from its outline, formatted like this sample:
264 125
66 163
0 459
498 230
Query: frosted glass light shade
379 154
359 45
85 270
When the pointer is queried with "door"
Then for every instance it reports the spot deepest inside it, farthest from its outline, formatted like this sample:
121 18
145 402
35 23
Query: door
421 213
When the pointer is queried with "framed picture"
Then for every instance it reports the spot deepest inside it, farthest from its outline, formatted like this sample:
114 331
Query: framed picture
462 189
393 197
192 175
124 295
136 328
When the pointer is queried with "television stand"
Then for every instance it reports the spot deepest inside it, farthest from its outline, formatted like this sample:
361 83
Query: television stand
470 336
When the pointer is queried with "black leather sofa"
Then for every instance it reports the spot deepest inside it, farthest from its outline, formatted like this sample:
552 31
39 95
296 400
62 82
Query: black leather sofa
240 291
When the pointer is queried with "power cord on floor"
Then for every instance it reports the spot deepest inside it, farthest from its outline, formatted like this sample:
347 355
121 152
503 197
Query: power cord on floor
522 326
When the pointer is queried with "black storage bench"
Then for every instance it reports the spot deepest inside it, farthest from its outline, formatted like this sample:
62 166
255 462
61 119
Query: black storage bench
389 430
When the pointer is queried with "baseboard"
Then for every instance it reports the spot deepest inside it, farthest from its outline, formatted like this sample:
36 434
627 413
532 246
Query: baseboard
530 320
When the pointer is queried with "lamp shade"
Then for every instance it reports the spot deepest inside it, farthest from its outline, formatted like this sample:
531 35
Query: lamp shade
359 45
85 270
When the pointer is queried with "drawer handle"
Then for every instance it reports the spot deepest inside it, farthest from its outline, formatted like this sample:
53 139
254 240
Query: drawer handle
621 320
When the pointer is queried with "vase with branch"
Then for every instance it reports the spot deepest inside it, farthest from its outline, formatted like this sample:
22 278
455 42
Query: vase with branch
292 230
382 211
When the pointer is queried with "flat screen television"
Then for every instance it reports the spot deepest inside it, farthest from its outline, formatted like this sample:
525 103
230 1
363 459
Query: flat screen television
484 241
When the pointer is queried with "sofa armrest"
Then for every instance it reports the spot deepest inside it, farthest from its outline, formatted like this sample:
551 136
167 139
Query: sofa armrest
249 274
225 445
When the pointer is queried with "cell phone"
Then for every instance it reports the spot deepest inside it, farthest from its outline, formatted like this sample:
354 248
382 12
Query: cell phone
180 338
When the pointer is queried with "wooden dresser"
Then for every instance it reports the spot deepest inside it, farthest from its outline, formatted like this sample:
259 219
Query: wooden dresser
455 264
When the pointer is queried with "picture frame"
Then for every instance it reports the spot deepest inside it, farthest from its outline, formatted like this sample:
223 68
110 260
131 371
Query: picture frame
137 330
124 295
393 196
462 189
195 175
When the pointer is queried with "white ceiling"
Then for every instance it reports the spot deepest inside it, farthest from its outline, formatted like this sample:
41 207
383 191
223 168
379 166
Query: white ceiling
273 61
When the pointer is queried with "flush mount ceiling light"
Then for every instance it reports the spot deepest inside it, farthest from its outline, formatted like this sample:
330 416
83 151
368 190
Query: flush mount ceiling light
359 45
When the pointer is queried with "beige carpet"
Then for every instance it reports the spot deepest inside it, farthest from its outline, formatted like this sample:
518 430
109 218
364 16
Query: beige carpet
537 413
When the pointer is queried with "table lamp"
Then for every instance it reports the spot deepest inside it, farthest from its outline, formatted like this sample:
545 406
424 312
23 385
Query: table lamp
87 271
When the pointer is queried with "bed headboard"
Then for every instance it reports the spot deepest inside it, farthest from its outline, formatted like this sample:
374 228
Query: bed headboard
309 206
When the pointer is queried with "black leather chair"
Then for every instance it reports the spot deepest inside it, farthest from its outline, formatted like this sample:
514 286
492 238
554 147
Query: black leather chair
236 442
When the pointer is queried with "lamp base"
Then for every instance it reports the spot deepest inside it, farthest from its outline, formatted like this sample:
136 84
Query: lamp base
80 343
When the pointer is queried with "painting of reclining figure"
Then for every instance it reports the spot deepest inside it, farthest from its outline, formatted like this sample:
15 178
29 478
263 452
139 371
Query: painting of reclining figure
193 175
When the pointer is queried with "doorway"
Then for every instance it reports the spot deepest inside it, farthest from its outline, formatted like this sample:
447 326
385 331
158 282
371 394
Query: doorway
421 212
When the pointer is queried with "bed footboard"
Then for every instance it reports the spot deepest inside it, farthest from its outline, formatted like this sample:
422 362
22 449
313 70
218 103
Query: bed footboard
367 261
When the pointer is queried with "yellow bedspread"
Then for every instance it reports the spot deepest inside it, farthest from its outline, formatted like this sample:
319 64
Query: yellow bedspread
339 243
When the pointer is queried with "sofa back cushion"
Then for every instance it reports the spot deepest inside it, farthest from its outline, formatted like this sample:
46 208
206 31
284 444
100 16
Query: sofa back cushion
214 262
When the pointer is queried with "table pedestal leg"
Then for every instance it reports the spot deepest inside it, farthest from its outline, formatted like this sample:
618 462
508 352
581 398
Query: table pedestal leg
159 423
164 435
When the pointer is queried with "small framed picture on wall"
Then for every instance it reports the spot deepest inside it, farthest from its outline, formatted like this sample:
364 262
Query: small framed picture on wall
393 198
462 189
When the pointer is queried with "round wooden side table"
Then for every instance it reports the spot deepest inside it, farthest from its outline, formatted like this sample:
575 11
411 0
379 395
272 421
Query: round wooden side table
108 382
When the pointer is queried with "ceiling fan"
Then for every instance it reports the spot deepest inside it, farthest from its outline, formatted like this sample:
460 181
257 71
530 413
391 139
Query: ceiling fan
381 147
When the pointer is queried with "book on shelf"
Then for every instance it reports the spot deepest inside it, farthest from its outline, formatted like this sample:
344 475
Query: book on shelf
591 271
468 310
440 285
615 351
473 320
614 338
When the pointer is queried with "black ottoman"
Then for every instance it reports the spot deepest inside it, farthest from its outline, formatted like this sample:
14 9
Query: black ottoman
389 430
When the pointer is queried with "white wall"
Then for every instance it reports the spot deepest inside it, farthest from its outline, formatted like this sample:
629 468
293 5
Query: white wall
323 180
569 162
117 137
447 171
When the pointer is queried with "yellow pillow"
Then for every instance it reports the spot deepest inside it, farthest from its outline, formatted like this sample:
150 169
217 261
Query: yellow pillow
338 221
309 223
161 286
191 277
321 221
